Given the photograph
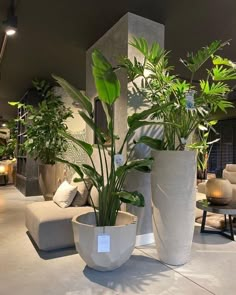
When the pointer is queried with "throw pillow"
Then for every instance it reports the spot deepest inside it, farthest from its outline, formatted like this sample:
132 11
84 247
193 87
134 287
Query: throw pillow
65 194
83 190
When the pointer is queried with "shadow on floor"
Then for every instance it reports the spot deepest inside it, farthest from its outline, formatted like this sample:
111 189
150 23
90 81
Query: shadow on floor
47 255
136 275
209 239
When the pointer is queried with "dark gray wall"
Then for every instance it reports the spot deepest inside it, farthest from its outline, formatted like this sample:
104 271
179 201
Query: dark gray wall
54 35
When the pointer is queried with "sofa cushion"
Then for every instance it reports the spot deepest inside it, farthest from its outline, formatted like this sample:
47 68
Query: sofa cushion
230 167
65 194
81 197
50 225
231 176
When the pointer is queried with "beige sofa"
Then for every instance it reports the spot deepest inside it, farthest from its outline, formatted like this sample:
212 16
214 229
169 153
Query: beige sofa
50 225
228 173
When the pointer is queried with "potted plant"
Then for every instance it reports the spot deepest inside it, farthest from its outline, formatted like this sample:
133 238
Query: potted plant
44 141
184 105
106 237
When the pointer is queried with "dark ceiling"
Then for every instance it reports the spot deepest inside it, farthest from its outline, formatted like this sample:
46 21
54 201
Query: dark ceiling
53 35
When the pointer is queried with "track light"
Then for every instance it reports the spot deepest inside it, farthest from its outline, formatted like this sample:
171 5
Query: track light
10 24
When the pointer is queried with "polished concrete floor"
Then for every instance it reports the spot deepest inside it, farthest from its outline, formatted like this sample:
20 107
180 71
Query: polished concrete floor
24 271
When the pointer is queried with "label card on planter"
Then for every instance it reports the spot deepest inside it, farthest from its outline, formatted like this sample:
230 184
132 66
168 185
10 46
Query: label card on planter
104 243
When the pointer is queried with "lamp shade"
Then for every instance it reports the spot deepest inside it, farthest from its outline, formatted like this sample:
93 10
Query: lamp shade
219 191
2 169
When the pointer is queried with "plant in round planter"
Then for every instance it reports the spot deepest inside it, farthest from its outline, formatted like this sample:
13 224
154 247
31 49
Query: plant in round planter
44 141
183 105
105 239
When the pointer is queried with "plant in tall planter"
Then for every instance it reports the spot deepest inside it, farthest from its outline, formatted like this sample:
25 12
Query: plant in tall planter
105 239
44 141
183 105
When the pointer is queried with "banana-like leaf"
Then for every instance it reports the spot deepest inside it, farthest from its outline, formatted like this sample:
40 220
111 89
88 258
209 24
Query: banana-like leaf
135 164
107 84
91 173
157 109
108 112
84 145
90 122
135 198
153 143
76 94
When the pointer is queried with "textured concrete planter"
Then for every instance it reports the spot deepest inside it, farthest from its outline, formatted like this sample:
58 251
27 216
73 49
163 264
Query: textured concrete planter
122 240
173 183
50 177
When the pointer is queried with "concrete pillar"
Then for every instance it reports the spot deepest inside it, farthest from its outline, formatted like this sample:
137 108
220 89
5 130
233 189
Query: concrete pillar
114 44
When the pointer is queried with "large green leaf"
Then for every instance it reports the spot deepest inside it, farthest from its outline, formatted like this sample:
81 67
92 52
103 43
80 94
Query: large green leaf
135 198
107 84
92 174
153 143
91 124
84 145
75 94
218 60
155 109
195 61
135 164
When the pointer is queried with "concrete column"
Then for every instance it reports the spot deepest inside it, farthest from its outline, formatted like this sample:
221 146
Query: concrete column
114 44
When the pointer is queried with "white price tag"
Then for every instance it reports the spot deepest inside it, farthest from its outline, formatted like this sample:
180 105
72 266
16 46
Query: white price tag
119 160
190 99
104 243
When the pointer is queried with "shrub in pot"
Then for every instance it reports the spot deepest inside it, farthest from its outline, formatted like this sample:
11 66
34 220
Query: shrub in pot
105 239
183 105
44 142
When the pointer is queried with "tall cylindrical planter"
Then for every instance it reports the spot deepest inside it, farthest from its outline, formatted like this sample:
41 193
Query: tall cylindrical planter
173 183
50 177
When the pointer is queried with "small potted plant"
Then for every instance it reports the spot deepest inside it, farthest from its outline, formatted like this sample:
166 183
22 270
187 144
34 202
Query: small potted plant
180 105
105 239
43 141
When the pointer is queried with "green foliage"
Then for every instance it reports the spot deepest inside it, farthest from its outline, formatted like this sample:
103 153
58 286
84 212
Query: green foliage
45 125
177 103
202 145
107 177
8 148
107 84
195 61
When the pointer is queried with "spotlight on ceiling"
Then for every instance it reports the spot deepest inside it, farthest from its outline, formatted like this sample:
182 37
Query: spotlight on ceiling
10 24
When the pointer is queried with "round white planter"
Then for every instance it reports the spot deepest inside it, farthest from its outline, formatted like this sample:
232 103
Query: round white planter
50 177
173 183
122 240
